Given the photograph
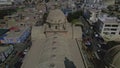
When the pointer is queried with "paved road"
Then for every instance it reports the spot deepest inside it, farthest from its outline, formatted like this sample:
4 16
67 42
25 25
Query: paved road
89 33
94 41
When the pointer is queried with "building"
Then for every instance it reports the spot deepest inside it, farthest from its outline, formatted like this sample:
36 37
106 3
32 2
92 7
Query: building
91 2
6 2
5 51
67 6
53 55
3 31
16 35
55 22
20 38
91 15
109 28
70 7
18 1
109 2
11 2
53 50
19 18
3 24
105 2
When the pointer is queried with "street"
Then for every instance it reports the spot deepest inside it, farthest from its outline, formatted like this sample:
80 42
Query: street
93 42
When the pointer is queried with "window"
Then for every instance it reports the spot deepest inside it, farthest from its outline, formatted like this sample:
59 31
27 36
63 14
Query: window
55 27
112 32
9 17
105 33
2 22
107 25
49 25
113 29
21 24
106 29
114 25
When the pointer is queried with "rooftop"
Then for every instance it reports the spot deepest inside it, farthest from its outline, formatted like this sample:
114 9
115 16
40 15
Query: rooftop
106 19
56 16
16 35
3 31
3 48
52 53
93 10
17 32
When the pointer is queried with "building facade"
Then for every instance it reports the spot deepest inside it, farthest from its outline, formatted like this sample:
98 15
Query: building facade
91 15
109 28
56 21
20 38
109 2
6 2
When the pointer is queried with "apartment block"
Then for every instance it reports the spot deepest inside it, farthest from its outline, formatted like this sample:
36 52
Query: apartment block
6 2
91 15
109 28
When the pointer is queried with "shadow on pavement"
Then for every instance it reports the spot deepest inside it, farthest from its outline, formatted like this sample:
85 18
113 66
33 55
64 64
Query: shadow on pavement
68 63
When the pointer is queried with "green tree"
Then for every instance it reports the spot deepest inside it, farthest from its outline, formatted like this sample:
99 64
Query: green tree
46 1
70 17
74 15
45 17
111 8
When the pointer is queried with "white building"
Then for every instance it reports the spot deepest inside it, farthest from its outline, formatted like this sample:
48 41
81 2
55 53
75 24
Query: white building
91 1
6 2
109 2
109 28
91 15
56 20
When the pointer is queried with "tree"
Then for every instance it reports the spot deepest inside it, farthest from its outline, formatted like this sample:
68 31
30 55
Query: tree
70 17
118 16
74 15
46 1
45 17
111 8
